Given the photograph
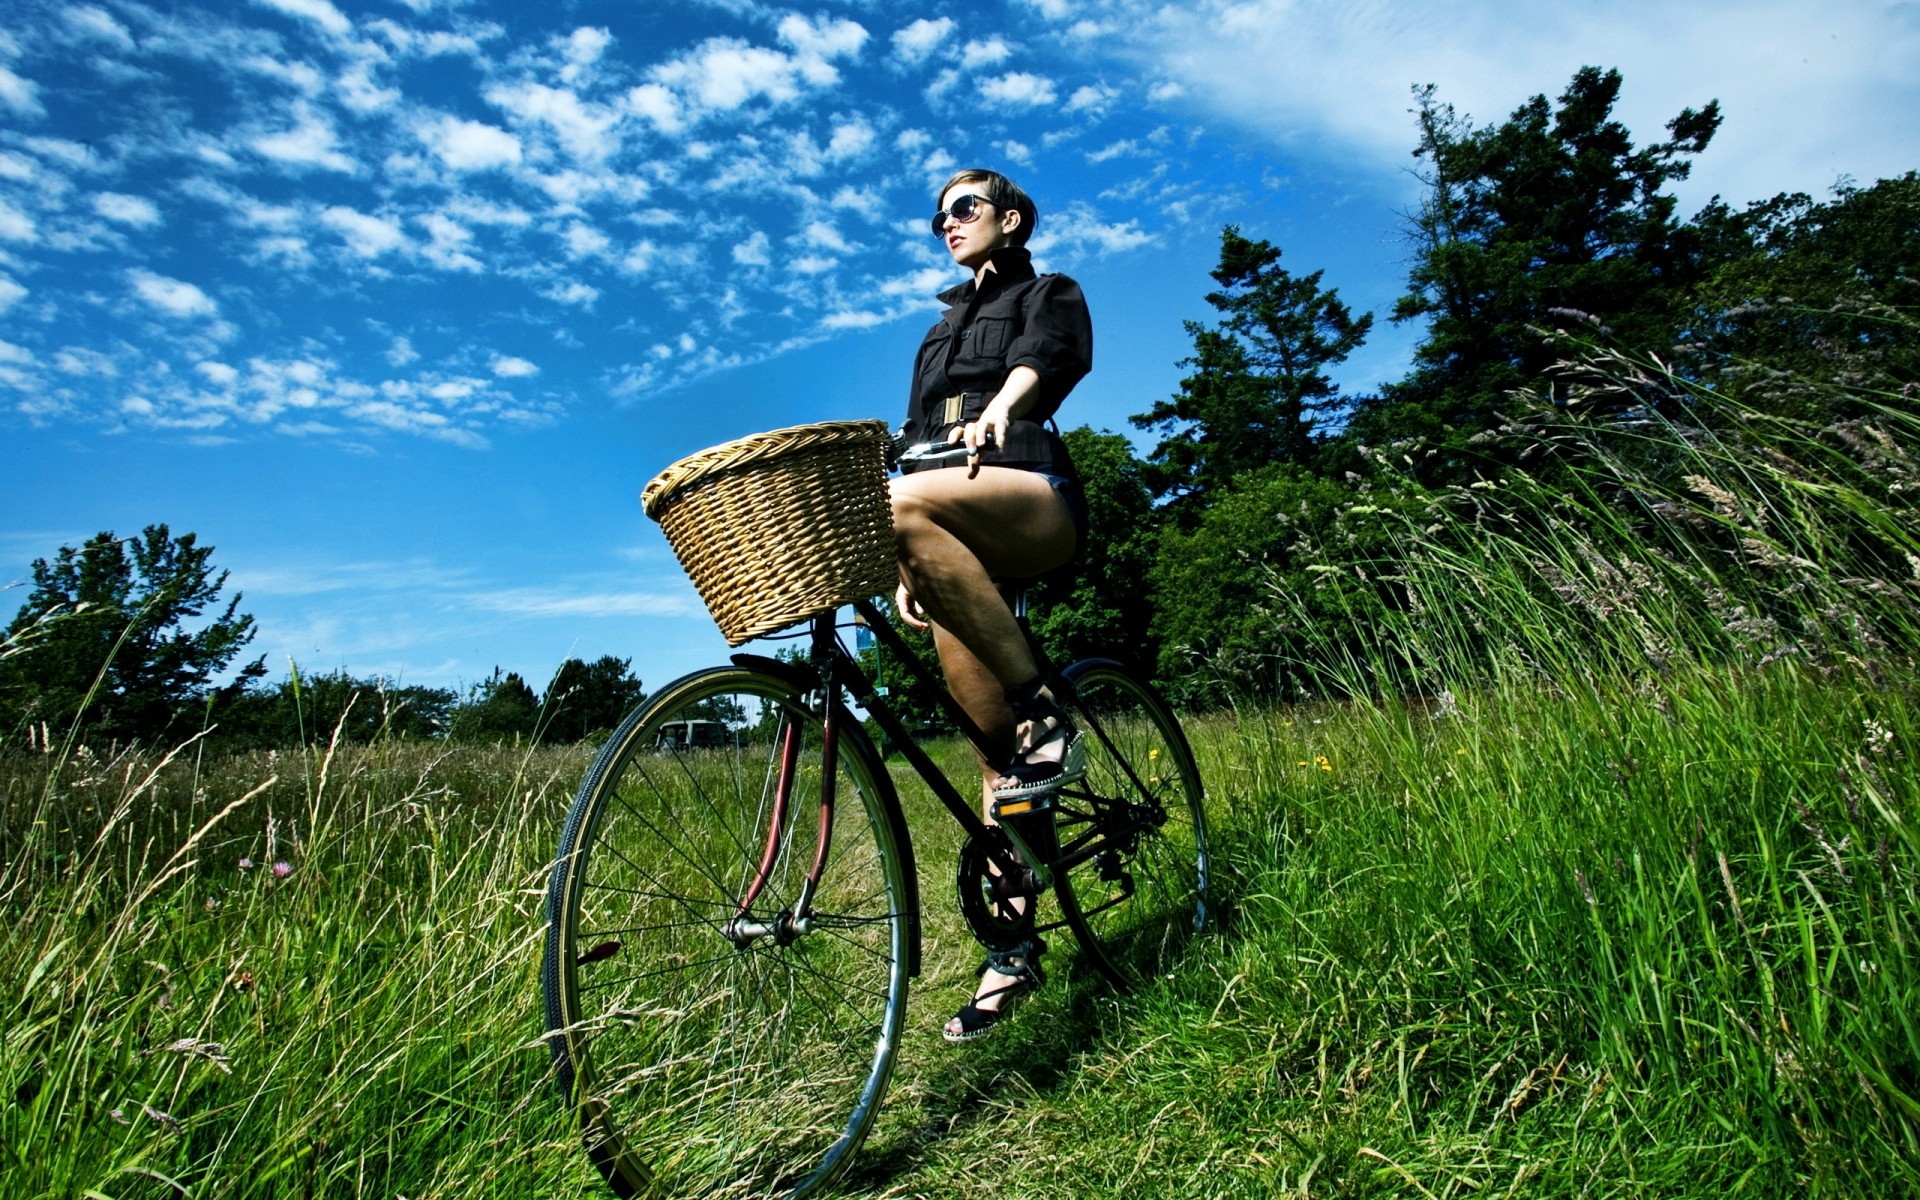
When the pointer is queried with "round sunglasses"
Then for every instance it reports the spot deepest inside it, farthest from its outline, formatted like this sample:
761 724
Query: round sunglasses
963 209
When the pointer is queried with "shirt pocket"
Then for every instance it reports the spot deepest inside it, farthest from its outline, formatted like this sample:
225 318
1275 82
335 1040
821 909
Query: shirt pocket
987 337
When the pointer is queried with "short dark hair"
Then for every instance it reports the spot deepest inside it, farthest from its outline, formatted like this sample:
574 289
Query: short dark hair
1003 192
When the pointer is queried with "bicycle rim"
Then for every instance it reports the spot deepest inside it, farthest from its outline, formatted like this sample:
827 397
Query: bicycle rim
703 1063
1135 903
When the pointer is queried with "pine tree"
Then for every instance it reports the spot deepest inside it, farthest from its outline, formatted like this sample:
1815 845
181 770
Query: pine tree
1259 392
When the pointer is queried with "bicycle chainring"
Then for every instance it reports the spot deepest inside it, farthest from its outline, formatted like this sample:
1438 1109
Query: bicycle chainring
993 882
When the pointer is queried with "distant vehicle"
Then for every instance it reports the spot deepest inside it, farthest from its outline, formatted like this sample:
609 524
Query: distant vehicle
693 735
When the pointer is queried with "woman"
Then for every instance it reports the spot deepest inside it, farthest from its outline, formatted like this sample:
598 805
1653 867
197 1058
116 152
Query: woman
997 364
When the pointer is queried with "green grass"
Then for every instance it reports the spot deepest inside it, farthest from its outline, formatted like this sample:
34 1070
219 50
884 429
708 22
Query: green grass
1629 907
1657 941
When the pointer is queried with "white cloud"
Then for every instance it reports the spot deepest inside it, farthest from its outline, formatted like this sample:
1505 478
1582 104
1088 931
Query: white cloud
402 352
657 104
573 293
915 42
530 602
15 355
584 241
320 12
753 251
508 367
174 297
1092 98
988 53
365 235
469 145
11 293
16 226
1809 92
582 48
587 131
639 258
97 23
723 74
448 244
20 95
310 143
822 39
137 211
851 139
219 374
1018 87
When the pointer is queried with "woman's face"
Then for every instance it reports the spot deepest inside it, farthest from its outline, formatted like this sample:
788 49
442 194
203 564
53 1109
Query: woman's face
972 242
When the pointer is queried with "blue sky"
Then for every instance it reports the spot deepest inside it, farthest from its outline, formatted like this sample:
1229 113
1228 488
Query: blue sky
399 303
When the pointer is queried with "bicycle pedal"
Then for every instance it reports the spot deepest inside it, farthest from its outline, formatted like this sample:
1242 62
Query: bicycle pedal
1023 806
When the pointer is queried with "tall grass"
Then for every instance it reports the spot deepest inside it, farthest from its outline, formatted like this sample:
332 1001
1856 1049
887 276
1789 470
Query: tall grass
1627 904
277 974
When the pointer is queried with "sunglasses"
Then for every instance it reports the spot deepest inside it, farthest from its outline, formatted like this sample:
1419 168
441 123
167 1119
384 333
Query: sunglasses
963 209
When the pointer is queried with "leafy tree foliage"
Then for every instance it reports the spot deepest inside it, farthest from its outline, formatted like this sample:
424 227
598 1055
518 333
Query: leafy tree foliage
1101 606
1259 384
500 709
585 699
309 709
1554 209
1824 290
110 638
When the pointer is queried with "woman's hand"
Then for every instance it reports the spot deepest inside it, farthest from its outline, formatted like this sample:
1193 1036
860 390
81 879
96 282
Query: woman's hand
1016 396
909 610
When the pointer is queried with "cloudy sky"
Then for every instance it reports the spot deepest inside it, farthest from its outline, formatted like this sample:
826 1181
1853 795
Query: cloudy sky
399 303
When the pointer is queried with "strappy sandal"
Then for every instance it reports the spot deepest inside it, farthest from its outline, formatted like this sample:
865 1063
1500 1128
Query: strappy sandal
1023 964
1041 722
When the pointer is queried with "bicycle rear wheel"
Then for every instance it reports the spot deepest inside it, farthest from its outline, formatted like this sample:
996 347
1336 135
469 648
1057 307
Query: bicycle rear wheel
1138 819
711 1046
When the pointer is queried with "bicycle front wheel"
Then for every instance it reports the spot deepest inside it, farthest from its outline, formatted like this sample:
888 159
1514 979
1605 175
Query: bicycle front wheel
727 957
1138 826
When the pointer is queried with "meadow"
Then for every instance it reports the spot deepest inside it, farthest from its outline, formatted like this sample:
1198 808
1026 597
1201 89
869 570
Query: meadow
1602 880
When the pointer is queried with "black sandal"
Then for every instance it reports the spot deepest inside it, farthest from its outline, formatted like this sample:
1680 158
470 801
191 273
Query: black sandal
1041 722
1023 964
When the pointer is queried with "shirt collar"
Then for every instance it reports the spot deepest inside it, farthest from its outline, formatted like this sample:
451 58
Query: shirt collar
1011 264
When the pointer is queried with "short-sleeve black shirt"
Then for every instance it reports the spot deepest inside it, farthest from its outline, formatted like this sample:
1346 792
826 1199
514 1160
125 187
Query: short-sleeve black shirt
1017 318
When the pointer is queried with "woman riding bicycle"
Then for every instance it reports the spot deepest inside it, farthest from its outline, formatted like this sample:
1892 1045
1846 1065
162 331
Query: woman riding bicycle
991 373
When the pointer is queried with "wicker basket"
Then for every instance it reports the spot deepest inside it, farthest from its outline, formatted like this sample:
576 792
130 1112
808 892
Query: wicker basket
778 526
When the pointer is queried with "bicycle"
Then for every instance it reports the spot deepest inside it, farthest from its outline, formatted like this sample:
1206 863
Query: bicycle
733 924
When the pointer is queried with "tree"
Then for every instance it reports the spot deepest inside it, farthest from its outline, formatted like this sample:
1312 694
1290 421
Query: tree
1553 210
305 709
1259 388
1103 605
501 709
1819 293
589 698
114 646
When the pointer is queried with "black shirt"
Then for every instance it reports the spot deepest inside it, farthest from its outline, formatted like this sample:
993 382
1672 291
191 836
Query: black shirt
1014 318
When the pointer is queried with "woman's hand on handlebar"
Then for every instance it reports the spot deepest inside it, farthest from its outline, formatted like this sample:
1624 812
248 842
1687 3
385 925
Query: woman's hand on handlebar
904 604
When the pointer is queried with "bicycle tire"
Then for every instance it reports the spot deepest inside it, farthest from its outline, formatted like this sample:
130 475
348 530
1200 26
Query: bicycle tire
699 1066
1135 904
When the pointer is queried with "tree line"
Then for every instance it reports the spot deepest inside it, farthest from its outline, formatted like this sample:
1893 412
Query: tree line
125 639
1537 240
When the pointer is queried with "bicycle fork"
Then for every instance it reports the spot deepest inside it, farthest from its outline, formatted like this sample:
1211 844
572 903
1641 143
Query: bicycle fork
792 923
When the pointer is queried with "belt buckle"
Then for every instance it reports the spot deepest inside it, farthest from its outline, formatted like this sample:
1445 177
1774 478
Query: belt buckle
956 404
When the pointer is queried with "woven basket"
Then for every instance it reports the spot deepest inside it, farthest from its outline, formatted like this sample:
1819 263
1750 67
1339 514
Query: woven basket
778 526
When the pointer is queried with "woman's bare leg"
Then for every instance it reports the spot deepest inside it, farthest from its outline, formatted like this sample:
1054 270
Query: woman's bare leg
956 535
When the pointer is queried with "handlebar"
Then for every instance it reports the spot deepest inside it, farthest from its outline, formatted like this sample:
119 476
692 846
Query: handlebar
940 454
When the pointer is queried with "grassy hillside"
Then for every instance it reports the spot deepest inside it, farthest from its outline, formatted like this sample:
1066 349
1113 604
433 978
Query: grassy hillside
1652 941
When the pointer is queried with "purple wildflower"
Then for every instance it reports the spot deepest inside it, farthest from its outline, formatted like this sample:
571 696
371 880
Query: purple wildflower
246 864
282 869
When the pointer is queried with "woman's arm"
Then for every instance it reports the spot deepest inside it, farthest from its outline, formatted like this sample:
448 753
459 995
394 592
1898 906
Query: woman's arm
1015 399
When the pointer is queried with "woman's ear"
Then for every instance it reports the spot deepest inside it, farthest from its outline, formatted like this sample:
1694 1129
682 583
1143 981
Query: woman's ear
1010 219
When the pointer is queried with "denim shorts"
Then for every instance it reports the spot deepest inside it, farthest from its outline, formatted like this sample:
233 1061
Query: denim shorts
1069 490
